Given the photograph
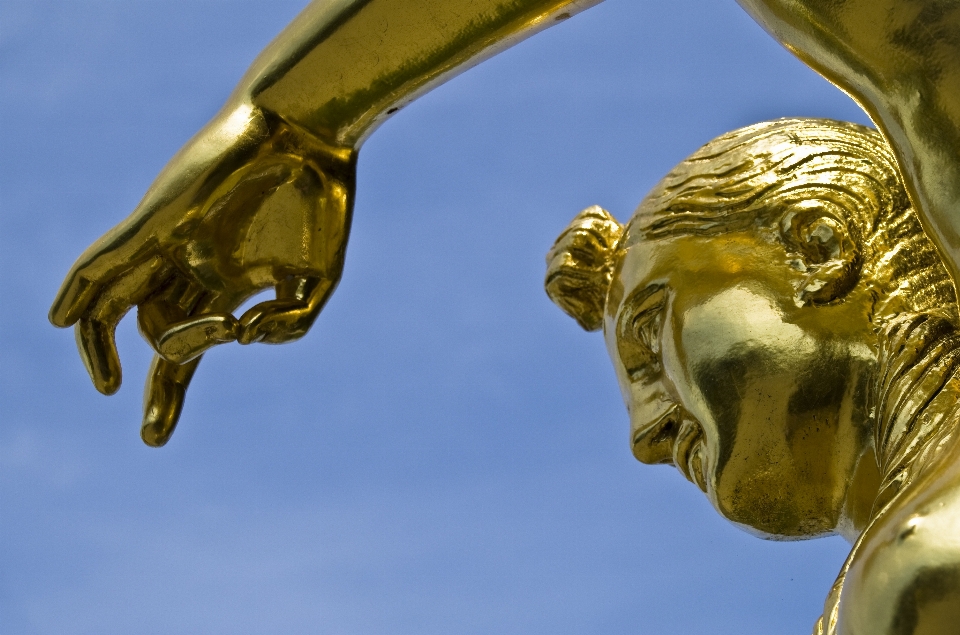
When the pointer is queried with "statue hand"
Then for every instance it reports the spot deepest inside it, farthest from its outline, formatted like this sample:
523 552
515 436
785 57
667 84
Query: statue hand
250 203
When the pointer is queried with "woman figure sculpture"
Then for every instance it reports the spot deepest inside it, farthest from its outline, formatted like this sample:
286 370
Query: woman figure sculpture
262 197
784 333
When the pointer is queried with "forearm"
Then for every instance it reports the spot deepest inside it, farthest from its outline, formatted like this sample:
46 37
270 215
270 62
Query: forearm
901 62
343 66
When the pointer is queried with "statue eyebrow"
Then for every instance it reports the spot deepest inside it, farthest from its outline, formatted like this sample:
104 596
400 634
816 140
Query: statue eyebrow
634 304
640 309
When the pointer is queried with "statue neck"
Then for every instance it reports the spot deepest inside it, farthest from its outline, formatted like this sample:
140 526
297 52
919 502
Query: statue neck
917 398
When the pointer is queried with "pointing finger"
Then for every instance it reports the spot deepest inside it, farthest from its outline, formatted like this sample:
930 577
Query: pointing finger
106 260
98 350
72 300
163 398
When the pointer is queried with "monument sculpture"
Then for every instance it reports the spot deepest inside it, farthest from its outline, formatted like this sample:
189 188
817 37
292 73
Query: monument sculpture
784 334
782 327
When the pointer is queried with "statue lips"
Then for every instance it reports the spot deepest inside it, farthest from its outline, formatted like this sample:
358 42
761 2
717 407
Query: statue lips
688 452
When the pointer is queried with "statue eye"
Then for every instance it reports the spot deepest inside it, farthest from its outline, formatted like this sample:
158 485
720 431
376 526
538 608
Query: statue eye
638 336
646 324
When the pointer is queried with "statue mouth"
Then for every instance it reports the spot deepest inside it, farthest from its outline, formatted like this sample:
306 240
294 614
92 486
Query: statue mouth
688 452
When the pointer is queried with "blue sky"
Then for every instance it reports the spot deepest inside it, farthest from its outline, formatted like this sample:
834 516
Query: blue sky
446 452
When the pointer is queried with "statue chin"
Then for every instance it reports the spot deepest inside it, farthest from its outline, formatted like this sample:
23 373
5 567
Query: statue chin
773 520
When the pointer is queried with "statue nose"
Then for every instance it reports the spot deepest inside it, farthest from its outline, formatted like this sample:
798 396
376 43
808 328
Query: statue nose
653 440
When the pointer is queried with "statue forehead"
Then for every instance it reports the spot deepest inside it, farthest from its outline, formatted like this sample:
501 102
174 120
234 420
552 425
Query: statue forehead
689 259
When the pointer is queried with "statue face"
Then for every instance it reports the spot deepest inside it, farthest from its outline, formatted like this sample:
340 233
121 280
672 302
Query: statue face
756 399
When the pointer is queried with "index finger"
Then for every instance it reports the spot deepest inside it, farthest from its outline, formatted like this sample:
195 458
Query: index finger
109 258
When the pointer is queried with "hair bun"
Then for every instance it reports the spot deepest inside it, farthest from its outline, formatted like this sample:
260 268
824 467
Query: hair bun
580 266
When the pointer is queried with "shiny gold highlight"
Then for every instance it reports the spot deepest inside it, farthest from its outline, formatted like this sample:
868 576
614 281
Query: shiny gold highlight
783 330
785 334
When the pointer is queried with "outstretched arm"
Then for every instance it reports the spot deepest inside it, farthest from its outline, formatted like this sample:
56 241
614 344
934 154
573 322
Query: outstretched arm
343 66
262 196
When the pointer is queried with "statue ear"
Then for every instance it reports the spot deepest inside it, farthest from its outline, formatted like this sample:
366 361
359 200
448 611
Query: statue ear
829 250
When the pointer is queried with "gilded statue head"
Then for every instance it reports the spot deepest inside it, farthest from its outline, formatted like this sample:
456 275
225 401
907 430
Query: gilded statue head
743 306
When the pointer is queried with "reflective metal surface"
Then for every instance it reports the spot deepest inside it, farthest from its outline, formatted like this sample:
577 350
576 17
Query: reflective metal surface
782 329
784 333
262 196
900 60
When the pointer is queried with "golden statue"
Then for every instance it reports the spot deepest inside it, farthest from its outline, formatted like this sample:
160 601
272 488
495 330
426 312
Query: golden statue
783 329
785 334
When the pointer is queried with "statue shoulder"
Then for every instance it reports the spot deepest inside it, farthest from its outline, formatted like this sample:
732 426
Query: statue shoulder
905 576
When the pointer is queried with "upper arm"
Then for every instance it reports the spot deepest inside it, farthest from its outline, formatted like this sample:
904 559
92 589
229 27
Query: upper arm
342 66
